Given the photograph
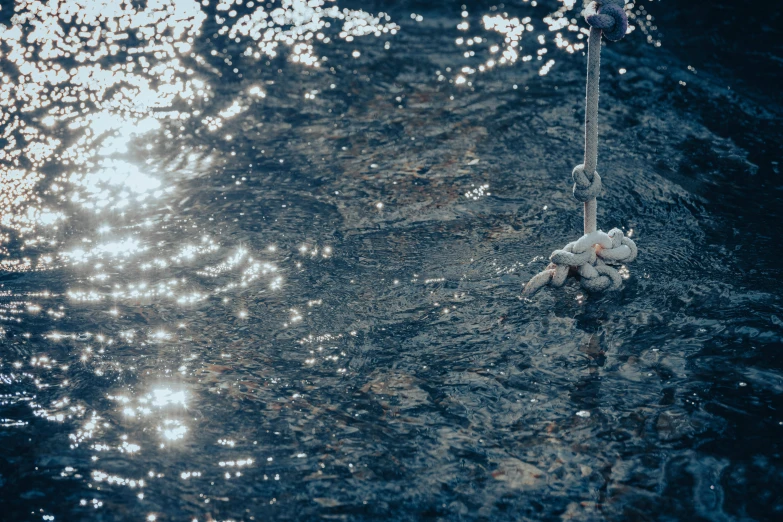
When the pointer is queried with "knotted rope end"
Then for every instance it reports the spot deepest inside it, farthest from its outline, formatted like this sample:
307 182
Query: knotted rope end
590 257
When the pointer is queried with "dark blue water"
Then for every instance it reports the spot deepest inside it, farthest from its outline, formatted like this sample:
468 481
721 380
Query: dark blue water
269 268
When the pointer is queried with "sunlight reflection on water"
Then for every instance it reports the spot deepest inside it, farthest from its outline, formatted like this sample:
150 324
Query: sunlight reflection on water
107 108
95 87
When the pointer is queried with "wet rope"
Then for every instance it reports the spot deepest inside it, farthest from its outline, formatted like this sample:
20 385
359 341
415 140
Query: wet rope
591 255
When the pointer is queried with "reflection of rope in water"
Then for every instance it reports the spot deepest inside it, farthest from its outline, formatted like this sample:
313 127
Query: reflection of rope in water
591 255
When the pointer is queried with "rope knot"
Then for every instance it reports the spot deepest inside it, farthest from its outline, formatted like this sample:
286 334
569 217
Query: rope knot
586 186
590 256
610 18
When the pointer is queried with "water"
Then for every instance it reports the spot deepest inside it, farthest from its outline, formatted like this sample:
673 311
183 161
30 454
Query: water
250 276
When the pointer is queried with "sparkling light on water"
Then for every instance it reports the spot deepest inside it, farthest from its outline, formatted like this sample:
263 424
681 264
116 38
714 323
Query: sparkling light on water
121 125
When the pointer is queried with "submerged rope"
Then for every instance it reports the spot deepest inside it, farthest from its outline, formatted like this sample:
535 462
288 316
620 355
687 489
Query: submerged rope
591 255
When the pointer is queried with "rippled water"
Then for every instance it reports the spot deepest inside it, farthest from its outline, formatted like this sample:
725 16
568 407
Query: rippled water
264 261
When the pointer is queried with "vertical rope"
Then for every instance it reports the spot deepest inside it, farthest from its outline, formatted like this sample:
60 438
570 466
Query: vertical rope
592 255
591 122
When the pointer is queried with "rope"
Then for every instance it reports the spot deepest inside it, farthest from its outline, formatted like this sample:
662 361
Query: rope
591 255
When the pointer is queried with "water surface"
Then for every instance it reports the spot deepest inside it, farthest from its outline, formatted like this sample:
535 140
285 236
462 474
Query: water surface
264 261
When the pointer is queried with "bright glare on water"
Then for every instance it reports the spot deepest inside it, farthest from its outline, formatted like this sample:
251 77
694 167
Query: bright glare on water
262 260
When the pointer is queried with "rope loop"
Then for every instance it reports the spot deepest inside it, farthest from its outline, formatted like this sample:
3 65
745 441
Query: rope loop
610 18
591 257
586 186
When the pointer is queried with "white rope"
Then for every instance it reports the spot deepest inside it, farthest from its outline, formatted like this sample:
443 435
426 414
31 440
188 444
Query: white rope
591 255
591 132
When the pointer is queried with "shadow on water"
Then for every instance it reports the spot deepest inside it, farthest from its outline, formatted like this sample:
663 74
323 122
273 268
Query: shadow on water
266 263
